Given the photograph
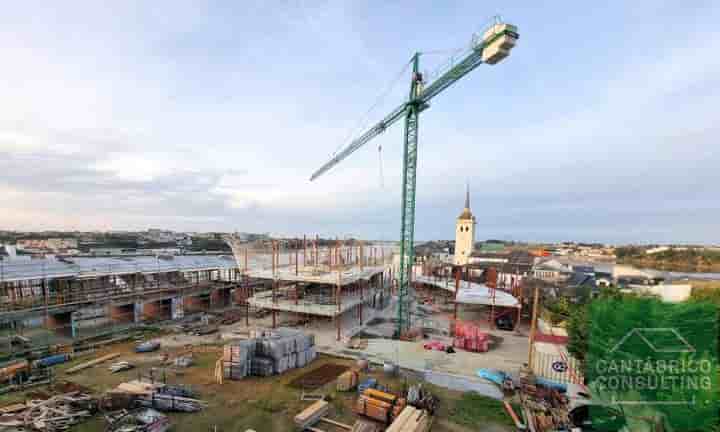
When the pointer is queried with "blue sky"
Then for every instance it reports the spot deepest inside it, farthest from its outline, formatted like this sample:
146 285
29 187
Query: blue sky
601 126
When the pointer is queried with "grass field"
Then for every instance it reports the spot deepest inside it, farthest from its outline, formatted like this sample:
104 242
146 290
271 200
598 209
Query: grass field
267 404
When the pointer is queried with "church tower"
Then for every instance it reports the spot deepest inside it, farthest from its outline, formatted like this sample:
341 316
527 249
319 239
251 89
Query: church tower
464 233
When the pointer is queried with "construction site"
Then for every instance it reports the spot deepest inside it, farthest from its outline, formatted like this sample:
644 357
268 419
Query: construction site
306 334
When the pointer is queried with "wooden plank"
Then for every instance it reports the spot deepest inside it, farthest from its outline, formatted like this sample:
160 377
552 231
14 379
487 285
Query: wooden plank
400 421
514 416
336 423
91 363
312 414
8 409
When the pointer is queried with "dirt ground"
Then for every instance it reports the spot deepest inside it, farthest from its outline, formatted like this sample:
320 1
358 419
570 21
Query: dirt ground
261 404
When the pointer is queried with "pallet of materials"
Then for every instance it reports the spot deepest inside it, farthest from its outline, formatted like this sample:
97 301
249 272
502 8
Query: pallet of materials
270 354
372 408
312 414
168 402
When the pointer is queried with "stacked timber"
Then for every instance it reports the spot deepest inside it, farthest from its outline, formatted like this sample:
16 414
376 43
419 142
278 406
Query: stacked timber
411 420
378 405
312 414
136 387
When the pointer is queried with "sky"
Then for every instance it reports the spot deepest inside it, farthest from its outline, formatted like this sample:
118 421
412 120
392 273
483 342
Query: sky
602 125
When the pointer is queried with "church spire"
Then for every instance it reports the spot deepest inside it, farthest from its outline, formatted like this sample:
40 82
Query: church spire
467 195
466 213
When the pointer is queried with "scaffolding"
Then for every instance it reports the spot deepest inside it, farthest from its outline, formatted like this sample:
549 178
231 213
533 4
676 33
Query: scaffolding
317 279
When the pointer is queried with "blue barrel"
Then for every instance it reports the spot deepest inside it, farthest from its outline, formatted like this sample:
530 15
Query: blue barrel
52 360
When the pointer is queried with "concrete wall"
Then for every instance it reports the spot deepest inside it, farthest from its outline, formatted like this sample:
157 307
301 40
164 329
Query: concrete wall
667 293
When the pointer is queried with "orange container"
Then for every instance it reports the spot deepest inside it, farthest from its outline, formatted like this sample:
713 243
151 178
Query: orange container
380 395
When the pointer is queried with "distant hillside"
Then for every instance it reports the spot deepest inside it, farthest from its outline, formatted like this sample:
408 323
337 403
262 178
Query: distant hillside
688 260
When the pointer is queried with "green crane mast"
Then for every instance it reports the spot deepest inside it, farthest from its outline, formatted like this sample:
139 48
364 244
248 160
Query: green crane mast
491 48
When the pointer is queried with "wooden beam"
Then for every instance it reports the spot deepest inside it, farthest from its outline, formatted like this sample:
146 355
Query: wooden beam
338 424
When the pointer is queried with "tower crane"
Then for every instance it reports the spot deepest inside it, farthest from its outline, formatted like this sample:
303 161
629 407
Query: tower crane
490 48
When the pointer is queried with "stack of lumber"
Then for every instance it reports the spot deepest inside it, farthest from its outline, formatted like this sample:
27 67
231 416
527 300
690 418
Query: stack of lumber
411 419
57 413
373 408
136 387
13 408
312 414
379 405
92 363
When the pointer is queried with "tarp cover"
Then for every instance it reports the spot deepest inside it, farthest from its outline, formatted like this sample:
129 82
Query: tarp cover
472 293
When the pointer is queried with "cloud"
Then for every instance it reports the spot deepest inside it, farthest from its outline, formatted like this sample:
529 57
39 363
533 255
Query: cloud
211 117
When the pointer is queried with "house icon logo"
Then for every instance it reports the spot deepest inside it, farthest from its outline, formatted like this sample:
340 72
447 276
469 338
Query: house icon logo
671 340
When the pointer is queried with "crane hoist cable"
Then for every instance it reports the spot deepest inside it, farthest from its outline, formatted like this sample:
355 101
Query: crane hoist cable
365 118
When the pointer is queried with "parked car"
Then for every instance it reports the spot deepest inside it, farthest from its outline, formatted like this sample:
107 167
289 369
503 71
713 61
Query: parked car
505 322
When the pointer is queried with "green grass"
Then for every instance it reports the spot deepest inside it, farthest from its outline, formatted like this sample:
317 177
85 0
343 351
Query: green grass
473 409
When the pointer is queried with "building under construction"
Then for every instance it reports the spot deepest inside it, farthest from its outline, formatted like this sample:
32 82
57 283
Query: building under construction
345 283
49 301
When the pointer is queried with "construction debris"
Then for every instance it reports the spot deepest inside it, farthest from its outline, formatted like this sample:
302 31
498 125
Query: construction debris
544 408
92 363
143 420
120 366
58 413
422 399
184 361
